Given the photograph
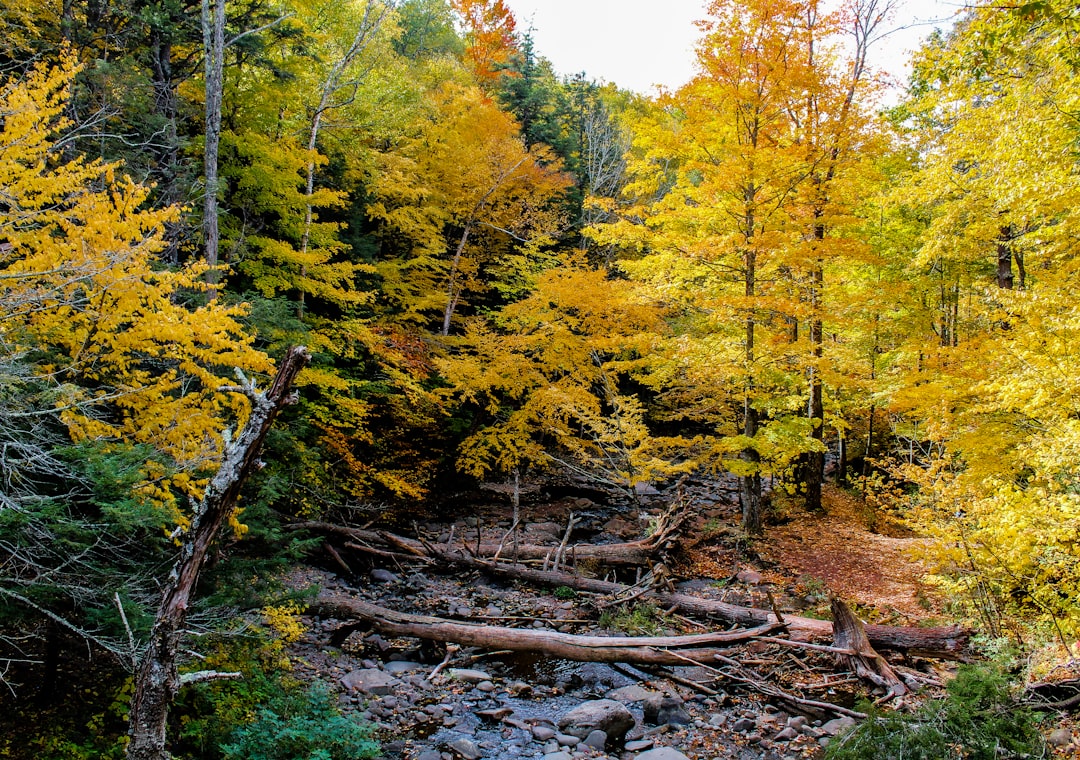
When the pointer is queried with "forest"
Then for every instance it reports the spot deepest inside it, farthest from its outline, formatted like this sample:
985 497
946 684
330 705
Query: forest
507 280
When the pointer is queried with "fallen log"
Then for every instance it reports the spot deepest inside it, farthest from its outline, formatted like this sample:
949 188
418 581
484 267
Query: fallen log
632 553
647 650
948 643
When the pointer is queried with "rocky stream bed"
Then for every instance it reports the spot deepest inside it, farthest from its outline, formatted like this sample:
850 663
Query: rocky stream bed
514 705
434 703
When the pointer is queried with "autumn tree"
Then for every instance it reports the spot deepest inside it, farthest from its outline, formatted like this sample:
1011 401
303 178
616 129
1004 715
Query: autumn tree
491 34
427 29
472 205
716 173
128 375
837 135
546 380
983 396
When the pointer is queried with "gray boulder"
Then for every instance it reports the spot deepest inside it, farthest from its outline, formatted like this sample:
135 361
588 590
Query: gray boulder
660 710
631 693
838 725
369 681
596 739
605 715
662 753
466 749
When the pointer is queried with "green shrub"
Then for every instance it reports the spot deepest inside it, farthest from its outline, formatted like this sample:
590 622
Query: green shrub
977 720
300 726
268 714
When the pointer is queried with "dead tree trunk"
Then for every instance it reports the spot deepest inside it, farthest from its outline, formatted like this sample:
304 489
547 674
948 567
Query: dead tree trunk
158 681
645 650
944 643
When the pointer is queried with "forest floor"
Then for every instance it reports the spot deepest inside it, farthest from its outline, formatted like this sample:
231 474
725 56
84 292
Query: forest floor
866 559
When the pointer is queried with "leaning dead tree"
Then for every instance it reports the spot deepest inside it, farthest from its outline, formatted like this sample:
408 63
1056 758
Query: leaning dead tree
158 680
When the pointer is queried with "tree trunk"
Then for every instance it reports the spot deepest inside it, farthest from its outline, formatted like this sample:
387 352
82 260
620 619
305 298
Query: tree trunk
750 483
330 86
158 681
645 650
842 464
168 154
1005 258
213 29
815 460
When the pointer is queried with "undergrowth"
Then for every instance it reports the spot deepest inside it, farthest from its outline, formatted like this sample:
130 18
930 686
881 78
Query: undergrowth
268 714
977 720
643 619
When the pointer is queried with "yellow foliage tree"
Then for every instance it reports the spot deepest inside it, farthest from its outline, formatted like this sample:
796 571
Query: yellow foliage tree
546 382
474 206
85 299
988 406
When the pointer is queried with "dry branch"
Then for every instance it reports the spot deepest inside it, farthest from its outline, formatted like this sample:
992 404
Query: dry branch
633 553
158 681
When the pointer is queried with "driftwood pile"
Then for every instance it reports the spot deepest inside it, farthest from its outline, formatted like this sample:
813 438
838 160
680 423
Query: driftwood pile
853 645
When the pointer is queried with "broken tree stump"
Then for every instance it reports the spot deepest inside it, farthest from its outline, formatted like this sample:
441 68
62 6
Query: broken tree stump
849 634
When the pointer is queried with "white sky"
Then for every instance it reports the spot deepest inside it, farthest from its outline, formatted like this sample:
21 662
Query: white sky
638 44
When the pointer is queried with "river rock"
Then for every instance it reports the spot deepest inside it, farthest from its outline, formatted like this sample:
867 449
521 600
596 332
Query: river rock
607 715
662 753
369 681
520 689
838 725
469 676
496 714
742 725
786 735
383 576
596 739
566 740
630 694
543 733
466 748
660 710
396 667
1062 737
